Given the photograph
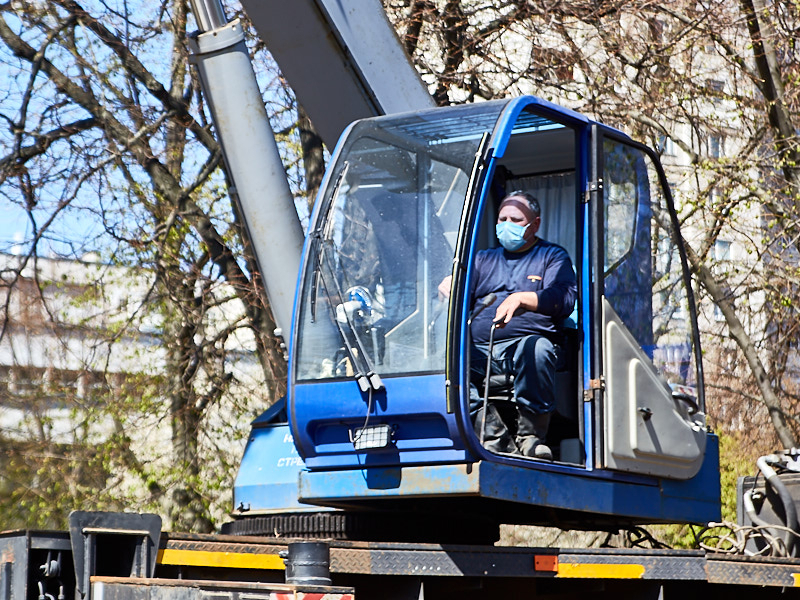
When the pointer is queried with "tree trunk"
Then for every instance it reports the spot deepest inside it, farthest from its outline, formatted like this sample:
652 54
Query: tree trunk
723 298
313 157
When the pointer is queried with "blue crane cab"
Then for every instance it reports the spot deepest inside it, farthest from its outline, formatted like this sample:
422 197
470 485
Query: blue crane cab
379 369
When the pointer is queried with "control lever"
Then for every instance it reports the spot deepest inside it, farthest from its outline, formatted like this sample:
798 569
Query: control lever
482 304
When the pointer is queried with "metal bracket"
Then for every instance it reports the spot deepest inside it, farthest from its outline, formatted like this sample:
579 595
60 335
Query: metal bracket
595 386
116 544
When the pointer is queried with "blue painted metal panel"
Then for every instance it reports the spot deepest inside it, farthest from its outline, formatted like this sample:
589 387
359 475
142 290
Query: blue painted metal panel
510 119
268 474
585 280
703 487
553 486
391 482
414 406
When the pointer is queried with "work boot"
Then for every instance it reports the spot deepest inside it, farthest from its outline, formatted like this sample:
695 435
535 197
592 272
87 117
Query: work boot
532 432
496 437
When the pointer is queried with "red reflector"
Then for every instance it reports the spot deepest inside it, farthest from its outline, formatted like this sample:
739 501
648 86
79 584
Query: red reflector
545 562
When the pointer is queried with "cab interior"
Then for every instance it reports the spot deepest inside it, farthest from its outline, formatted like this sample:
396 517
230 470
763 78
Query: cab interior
543 163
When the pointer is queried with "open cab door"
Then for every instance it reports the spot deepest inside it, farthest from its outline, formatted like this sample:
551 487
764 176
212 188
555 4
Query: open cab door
646 340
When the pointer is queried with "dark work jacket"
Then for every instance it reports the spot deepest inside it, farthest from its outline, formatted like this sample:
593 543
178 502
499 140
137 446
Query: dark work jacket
545 269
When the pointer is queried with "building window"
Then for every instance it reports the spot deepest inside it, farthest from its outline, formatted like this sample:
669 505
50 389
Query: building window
715 146
722 250
716 89
722 253
665 146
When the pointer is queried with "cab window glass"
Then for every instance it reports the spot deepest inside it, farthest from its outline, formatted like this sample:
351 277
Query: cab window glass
644 280
385 241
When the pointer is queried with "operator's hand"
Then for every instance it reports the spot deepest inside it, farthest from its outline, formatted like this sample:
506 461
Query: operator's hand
516 303
444 288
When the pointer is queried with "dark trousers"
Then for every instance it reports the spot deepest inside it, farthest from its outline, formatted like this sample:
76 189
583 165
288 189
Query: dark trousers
532 359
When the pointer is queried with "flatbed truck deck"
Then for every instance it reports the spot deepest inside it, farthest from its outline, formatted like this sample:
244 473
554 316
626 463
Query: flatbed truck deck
33 564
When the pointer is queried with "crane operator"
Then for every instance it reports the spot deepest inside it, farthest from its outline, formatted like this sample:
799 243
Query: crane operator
535 285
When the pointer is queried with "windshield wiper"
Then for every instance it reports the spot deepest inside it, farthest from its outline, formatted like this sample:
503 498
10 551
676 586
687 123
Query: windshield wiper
364 371
317 237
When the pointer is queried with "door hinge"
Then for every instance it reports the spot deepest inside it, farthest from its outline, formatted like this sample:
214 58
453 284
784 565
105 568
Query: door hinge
594 186
597 185
595 386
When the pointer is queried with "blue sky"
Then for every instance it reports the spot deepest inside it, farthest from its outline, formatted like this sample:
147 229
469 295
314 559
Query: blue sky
82 225
13 225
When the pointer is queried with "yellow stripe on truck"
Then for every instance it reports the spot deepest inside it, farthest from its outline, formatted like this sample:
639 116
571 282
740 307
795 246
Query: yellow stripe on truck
599 571
232 560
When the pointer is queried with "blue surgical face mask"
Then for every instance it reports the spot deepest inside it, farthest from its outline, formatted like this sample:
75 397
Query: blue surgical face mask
511 235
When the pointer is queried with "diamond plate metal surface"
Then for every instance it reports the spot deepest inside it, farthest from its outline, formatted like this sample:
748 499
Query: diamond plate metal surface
749 571
268 546
515 562
432 560
662 567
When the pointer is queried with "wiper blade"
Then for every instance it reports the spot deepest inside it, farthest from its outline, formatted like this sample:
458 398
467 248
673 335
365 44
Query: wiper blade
364 372
317 237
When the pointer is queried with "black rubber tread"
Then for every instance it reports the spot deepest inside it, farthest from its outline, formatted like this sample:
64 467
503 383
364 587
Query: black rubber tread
371 527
